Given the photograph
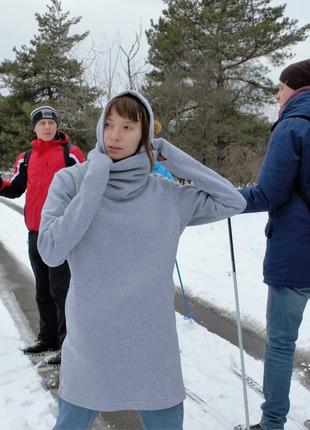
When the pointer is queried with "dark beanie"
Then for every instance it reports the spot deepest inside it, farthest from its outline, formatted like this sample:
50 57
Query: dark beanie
43 112
296 75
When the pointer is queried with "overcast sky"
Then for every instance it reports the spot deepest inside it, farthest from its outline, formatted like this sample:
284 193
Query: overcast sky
107 18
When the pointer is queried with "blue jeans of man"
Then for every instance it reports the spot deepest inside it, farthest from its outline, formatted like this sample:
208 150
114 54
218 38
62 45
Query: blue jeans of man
285 307
72 417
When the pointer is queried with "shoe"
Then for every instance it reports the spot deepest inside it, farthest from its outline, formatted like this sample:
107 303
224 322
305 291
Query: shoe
51 362
39 347
256 427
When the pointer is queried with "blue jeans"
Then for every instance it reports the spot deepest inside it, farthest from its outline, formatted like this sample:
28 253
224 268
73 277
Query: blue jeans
285 307
72 417
163 419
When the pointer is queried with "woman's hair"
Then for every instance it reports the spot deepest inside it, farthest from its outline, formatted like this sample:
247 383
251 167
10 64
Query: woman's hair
130 107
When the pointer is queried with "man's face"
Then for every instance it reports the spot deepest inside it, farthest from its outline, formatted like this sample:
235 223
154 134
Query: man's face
46 129
283 94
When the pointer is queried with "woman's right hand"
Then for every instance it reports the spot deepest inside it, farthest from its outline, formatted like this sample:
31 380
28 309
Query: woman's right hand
96 157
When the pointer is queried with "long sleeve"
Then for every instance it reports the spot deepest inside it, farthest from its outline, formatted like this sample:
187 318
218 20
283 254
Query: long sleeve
67 213
209 198
277 176
17 184
75 155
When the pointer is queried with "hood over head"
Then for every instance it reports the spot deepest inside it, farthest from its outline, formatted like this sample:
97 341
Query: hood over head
100 146
128 177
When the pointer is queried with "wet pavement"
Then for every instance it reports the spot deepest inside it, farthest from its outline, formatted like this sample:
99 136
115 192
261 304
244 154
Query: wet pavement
225 327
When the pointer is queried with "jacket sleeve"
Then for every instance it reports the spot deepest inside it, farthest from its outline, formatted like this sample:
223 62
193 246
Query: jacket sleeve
161 170
67 213
277 176
210 197
76 155
17 184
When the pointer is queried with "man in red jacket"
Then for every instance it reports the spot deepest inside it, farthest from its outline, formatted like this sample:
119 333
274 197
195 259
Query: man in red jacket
51 151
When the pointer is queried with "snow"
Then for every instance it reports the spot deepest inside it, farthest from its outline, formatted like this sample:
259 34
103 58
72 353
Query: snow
13 233
24 405
204 260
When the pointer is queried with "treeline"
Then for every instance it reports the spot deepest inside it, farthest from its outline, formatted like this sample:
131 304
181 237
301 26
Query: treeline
207 79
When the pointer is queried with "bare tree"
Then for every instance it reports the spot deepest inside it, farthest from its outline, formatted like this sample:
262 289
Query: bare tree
111 68
132 69
103 69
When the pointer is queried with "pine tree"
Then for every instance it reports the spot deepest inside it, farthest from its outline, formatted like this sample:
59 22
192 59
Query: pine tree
209 74
46 73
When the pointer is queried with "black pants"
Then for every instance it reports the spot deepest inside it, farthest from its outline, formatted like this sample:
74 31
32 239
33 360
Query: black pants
52 285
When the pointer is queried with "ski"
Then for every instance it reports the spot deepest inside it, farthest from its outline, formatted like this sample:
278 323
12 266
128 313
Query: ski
255 386
240 427
205 407
195 398
249 381
243 427
49 373
43 366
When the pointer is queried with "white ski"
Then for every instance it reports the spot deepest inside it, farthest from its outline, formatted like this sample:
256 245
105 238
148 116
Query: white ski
206 408
42 366
195 398
251 383
241 427
48 373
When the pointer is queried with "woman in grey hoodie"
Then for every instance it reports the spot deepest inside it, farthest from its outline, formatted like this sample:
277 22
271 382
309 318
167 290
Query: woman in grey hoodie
119 228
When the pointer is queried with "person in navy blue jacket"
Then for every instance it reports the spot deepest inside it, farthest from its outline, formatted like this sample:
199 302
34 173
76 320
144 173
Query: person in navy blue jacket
159 169
283 189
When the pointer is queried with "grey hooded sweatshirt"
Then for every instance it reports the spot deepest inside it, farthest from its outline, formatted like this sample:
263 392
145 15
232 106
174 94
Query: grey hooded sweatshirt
119 228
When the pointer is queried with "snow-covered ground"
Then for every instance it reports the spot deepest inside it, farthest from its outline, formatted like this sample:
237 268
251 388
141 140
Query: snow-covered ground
24 405
205 264
204 258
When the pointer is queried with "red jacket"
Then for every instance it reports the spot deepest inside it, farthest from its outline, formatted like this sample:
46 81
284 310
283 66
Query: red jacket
45 160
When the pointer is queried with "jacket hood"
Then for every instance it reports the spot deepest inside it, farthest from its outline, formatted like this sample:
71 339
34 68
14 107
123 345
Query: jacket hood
100 146
297 105
128 177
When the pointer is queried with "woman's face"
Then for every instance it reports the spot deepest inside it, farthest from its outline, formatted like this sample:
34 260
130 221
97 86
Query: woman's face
121 136
283 94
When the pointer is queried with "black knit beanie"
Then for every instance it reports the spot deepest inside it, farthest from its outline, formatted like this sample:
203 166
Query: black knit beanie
43 112
296 75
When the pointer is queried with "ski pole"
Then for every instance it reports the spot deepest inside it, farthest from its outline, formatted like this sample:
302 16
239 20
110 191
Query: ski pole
238 320
187 313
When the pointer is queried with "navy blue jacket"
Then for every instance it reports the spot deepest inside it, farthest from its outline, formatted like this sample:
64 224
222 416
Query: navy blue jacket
283 188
